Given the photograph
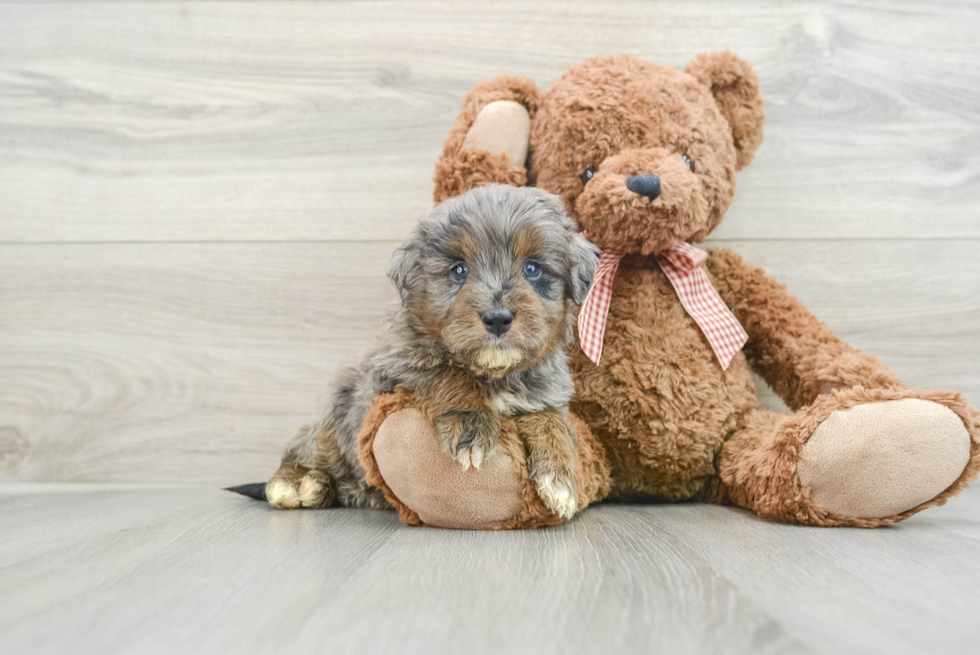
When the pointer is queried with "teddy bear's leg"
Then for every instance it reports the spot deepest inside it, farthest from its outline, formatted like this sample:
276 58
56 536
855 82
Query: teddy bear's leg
399 449
856 457
434 485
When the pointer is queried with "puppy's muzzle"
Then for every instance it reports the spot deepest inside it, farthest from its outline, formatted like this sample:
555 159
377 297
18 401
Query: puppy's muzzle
497 321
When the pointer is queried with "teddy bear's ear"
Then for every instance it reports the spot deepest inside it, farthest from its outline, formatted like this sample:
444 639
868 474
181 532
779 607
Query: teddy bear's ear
735 87
489 140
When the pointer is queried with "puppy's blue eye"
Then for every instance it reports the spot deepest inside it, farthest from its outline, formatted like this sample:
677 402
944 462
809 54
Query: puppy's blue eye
459 272
690 164
532 271
589 174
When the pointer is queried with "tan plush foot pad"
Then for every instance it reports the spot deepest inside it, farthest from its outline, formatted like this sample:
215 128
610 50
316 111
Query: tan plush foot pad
400 453
503 126
435 485
883 458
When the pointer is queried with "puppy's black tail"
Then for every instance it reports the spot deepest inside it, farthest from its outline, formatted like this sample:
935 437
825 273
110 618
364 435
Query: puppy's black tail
254 490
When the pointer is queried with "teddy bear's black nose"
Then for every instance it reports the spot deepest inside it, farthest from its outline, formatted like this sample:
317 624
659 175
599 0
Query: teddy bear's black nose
644 185
497 321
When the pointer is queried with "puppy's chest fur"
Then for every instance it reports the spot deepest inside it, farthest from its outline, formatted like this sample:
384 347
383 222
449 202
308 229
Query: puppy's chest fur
514 400
547 387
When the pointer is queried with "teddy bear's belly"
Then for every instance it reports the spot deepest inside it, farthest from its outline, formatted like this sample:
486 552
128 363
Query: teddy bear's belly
659 402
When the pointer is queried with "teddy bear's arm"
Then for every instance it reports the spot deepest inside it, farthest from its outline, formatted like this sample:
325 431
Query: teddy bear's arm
799 356
484 147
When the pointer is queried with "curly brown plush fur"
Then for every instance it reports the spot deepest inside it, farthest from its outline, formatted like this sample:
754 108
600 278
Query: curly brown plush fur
672 422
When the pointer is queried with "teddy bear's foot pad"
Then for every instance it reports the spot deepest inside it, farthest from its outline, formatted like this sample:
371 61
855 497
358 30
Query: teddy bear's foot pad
433 484
880 459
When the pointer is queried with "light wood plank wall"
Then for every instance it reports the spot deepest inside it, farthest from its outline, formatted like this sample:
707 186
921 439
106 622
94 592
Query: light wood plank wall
198 200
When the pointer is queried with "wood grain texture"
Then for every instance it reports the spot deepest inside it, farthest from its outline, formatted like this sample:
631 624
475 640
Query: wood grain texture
193 363
322 120
110 570
197 200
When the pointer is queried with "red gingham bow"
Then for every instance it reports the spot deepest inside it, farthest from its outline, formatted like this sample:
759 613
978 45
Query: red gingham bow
684 267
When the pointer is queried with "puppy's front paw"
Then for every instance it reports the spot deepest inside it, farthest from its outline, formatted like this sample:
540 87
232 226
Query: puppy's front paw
468 436
551 460
558 492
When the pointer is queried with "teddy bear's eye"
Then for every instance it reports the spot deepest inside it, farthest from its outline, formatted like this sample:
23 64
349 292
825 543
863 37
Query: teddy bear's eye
588 175
459 272
690 164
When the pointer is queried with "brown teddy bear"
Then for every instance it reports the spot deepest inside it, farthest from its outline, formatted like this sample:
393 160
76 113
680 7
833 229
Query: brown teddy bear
645 157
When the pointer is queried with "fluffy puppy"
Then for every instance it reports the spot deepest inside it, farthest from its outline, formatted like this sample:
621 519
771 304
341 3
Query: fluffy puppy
488 285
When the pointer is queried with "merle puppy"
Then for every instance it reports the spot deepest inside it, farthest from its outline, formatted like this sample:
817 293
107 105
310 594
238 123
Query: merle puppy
488 285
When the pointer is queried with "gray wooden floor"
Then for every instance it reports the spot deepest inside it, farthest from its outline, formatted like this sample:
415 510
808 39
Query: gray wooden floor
110 569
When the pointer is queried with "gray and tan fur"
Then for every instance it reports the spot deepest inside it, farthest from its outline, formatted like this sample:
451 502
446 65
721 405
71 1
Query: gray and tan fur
488 284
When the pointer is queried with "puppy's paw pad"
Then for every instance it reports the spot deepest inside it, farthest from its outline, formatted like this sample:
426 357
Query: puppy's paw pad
282 494
558 495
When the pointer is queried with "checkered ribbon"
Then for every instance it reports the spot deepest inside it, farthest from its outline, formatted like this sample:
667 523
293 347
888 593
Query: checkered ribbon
684 267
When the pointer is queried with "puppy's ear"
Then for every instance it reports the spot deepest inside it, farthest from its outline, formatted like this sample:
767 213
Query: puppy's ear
585 260
583 256
551 202
735 87
489 141
405 267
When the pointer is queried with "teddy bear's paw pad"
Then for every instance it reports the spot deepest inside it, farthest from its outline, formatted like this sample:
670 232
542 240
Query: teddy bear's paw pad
880 459
558 494
501 126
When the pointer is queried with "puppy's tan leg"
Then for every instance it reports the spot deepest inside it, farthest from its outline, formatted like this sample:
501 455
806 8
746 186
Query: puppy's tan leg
552 448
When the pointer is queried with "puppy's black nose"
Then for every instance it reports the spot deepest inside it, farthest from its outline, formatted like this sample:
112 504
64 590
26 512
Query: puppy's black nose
644 185
497 320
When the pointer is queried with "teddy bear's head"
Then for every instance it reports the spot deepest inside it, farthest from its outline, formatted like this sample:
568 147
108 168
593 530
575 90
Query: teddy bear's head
645 155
